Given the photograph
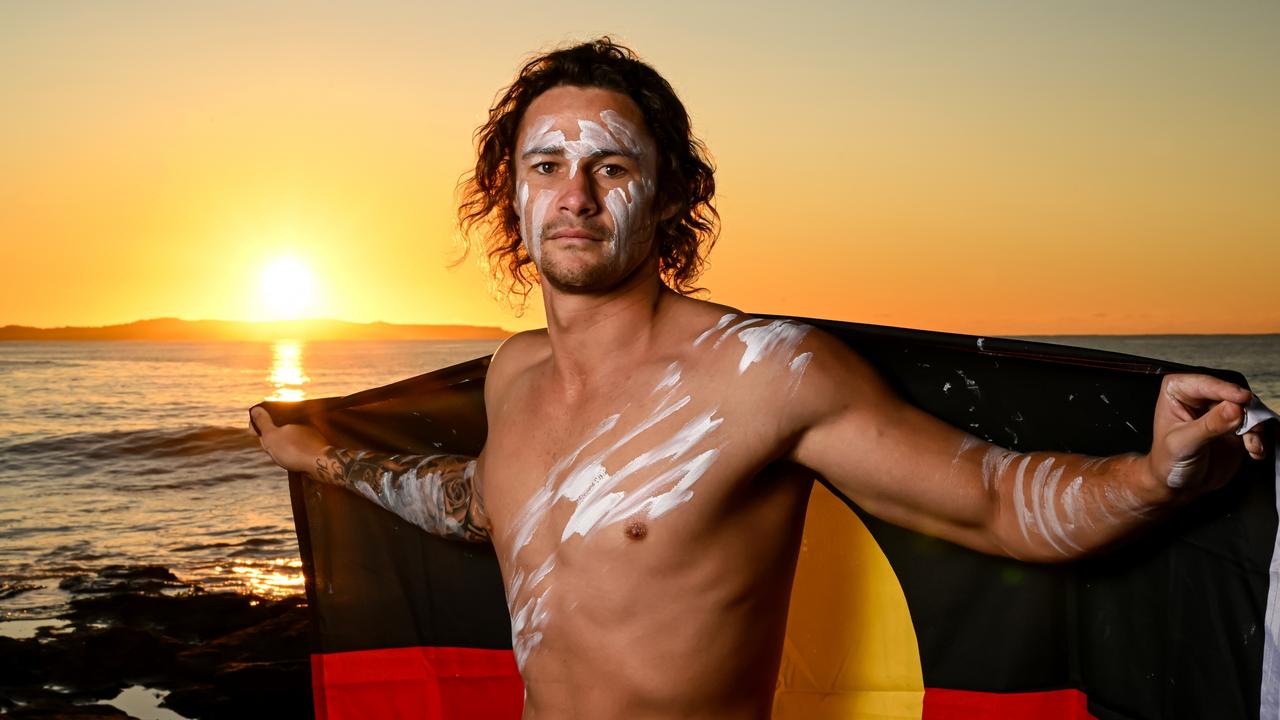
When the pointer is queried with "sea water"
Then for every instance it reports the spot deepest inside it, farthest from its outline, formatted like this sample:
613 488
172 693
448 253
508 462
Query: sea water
139 453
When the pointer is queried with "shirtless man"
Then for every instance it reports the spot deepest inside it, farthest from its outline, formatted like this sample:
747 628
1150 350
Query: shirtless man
650 455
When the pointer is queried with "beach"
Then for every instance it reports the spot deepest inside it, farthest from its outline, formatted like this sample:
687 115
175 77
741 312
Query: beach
148 562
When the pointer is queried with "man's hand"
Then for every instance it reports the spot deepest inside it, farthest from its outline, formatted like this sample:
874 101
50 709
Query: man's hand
292 447
1194 447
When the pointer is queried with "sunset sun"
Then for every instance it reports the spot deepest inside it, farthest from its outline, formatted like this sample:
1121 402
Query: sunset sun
286 284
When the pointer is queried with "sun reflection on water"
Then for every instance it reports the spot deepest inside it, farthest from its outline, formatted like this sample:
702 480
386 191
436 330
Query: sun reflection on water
271 578
287 376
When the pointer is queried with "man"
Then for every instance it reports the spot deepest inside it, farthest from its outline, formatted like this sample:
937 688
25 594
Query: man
650 455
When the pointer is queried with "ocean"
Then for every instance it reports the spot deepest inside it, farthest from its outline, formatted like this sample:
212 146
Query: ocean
137 453
132 453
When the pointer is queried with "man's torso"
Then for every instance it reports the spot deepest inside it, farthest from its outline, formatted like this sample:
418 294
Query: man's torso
647 529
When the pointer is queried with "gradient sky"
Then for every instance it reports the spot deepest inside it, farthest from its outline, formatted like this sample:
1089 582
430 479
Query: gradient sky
996 168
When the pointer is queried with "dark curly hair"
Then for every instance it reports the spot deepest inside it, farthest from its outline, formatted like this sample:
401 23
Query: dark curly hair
685 174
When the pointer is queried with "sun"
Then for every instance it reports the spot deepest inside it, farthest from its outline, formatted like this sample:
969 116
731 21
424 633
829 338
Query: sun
286 284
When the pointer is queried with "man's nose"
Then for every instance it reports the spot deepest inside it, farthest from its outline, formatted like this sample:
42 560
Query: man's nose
578 195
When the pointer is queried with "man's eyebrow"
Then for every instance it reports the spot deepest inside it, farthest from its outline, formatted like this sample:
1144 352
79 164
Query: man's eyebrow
559 151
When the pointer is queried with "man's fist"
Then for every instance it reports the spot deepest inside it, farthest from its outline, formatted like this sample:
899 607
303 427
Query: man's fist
1194 445
292 447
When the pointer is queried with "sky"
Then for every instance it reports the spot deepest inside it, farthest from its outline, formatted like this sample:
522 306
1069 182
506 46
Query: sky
982 167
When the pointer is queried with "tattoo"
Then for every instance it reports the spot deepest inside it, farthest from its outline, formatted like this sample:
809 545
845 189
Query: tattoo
438 493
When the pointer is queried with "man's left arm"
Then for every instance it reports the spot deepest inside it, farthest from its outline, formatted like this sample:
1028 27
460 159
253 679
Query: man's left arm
912 469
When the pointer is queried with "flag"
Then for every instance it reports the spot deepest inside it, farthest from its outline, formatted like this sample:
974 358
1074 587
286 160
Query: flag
884 622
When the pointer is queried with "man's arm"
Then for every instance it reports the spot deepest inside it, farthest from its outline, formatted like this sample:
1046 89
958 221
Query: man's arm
909 468
438 493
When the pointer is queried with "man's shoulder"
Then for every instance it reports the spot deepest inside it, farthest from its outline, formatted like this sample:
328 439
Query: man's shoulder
746 341
785 361
515 356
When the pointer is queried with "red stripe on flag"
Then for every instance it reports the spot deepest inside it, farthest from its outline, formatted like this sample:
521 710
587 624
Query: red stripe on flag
967 705
422 683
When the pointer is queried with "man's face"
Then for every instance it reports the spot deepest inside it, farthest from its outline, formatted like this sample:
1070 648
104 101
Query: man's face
585 175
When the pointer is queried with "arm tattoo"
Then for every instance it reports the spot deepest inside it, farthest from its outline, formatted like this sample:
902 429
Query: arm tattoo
435 492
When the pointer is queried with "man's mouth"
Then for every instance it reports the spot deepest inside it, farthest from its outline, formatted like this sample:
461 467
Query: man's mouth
572 234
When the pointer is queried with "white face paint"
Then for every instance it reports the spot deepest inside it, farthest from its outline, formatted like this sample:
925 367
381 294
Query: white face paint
531 220
629 207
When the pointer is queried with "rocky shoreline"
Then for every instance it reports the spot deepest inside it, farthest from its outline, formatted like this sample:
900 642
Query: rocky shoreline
216 654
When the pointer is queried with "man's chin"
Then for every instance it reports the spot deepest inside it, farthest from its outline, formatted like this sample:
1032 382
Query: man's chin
581 277
580 283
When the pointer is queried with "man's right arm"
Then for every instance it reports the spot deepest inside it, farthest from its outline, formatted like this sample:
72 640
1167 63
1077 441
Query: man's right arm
435 492
438 493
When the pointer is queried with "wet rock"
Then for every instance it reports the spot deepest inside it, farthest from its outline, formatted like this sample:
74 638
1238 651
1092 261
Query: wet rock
219 654
194 616
123 578
239 690
288 631
138 572
21 662
79 712
11 589
106 660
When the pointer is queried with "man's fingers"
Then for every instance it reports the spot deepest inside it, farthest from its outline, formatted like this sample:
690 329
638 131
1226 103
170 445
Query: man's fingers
1255 443
1195 390
1224 418
260 419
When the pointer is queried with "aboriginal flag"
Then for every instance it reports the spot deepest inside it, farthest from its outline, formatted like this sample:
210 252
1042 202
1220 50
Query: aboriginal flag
884 622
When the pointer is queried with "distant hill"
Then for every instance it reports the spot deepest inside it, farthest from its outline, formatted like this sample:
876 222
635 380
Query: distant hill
175 329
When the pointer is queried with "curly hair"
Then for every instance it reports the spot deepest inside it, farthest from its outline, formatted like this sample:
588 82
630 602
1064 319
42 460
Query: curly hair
685 173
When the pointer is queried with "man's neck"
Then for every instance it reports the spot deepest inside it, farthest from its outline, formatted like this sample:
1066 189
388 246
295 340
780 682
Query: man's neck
594 337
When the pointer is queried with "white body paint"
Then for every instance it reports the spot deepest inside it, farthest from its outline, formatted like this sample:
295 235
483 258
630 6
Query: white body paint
994 464
1073 502
765 340
1022 508
779 337
603 492
1179 473
410 497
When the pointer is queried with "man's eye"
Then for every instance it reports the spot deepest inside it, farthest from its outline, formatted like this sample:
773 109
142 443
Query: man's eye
546 168
612 170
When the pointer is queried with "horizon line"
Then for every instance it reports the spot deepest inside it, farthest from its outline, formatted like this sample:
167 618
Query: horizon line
506 330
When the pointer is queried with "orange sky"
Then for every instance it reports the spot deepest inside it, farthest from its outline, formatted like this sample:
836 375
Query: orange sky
978 167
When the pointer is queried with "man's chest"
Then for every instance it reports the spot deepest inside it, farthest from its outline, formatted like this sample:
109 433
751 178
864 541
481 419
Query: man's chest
662 458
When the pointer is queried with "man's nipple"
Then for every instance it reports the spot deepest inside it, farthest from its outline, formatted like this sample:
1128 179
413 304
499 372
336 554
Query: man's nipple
635 529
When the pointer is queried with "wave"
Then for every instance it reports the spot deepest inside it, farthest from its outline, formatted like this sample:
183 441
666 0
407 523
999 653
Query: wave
151 444
210 478
38 362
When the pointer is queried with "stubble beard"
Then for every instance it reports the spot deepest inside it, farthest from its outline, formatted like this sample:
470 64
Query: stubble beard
583 272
